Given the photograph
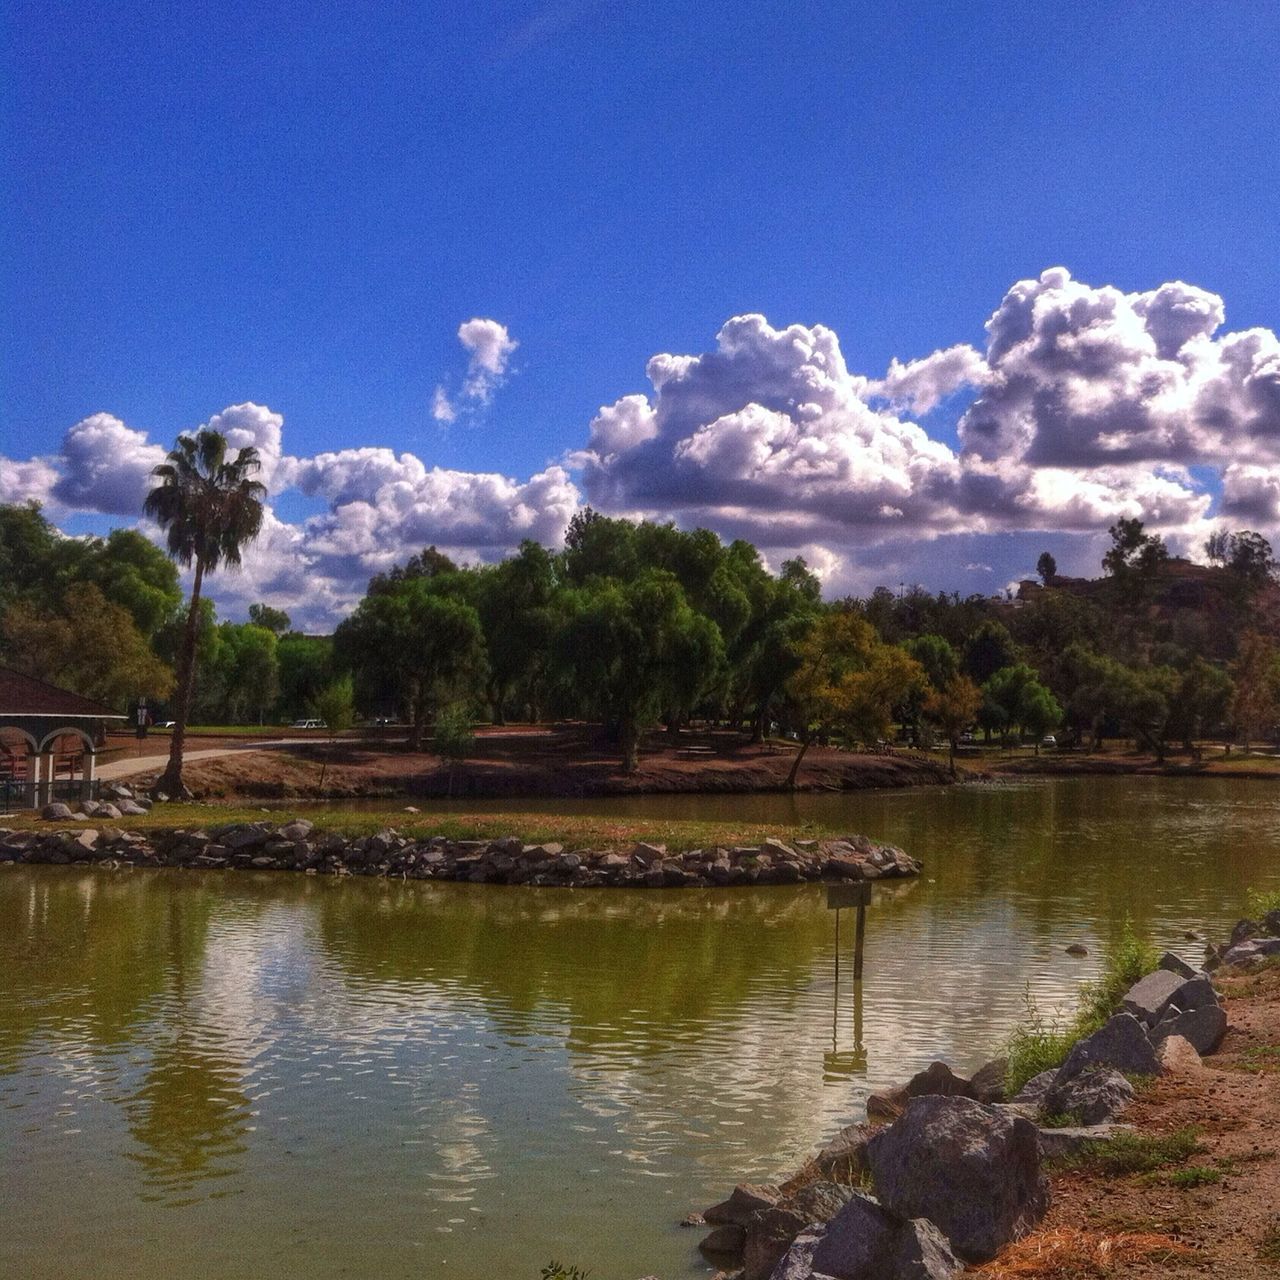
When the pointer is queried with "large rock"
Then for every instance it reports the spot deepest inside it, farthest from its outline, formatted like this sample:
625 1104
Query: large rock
987 1083
1204 1028
922 1252
771 1231
55 812
970 1168
797 1262
937 1079
857 1241
1254 949
1034 1090
745 1199
1121 1043
1095 1096
1179 1057
1175 964
1147 998
844 1158
1196 993
1056 1143
724 1242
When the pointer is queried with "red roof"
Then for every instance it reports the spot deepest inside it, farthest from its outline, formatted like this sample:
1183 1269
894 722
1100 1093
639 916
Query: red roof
26 696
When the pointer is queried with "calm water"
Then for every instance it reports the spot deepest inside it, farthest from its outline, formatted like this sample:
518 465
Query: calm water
240 1075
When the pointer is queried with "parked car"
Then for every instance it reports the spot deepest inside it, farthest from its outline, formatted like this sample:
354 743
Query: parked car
1048 740
967 739
308 724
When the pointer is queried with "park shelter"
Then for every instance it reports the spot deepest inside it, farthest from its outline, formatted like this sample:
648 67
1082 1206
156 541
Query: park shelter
49 739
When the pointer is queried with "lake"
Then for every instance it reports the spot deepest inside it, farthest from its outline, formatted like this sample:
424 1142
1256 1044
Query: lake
229 1075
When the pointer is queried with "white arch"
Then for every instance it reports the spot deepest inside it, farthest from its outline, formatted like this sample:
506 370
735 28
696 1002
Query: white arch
22 733
54 734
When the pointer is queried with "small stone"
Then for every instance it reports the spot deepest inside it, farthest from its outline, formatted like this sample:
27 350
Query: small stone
1035 1089
1077 949
1178 1056
747 1198
857 1240
987 1083
724 1241
1056 1143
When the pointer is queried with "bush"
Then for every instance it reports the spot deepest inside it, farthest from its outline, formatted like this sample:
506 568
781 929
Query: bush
1035 1046
1260 902
1138 1152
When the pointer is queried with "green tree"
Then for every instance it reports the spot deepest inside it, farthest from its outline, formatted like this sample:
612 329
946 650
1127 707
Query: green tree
274 620
335 704
1024 703
1047 567
88 645
953 708
210 509
988 649
453 737
306 666
1256 672
622 642
426 645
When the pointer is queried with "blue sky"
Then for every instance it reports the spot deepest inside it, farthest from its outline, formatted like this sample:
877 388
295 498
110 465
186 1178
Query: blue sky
297 206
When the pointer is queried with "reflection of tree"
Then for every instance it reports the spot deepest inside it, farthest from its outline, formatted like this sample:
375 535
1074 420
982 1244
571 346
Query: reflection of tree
189 1114
677 959
85 954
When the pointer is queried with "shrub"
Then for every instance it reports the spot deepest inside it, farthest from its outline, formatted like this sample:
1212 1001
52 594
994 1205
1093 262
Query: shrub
1261 902
1041 1043
558 1271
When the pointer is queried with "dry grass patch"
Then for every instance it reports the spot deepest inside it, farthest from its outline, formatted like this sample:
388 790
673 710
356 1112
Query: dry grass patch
1070 1254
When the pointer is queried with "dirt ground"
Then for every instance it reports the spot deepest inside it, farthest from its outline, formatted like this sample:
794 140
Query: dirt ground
560 761
1142 1226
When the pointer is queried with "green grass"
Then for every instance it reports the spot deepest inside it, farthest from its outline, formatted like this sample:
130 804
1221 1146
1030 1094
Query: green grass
1269 1248
1260 902
573 830
1196 1175
1129 1153
1041 1043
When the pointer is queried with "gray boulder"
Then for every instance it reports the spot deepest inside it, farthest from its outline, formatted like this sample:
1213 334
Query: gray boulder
745 1199
845 1156
922 1252
1271 923
857 1242
1254 949
936 1079
797 1262
1175 964
1147 998
1121 1043
131 808
1203 1028
1194 994
771 1231
56 812
1056 1143
1095 1096
971 1169
724 1242
1035 1089
987 1083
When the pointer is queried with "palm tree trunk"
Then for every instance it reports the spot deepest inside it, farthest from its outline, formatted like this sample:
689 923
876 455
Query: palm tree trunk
171 780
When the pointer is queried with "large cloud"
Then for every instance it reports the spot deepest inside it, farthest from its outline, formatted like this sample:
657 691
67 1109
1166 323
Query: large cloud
1088 403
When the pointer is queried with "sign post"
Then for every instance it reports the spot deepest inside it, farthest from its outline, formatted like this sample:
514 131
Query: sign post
854 893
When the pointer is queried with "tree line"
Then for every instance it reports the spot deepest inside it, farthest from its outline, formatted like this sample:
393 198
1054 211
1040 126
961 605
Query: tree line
634 625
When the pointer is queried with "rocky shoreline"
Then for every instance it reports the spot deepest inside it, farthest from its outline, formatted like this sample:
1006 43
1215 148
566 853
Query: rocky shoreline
947 1171
297 845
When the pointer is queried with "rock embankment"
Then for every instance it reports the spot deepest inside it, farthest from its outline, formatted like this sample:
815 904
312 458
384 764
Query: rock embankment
947 1171
297 845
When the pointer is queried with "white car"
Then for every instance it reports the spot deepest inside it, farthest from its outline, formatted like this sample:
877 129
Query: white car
1048 740
308 724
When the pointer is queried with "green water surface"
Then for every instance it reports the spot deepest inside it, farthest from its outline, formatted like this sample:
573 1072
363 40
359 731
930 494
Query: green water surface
231 1075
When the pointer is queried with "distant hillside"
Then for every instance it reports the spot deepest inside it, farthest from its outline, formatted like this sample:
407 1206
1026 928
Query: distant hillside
1202 607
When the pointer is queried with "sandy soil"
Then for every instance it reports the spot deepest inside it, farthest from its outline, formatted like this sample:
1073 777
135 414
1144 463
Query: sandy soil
570 761
1099 1223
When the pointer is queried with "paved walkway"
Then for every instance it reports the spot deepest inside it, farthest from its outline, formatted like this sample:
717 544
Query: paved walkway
145 764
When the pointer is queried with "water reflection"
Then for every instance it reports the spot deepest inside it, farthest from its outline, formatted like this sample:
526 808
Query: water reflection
234 1069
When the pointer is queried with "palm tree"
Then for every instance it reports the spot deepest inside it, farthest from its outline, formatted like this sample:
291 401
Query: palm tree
210 510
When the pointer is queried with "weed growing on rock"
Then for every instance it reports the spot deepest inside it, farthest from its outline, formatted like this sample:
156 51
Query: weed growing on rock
1035 1046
